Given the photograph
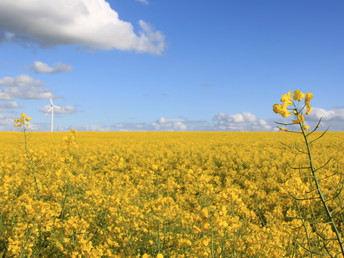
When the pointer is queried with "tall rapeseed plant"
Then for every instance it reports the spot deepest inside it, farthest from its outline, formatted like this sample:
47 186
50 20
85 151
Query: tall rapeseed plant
297 104
24 122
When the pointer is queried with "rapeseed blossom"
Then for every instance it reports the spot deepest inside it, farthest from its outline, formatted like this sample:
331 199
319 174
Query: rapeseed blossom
298 95
308 109
291 105
22 121
308 98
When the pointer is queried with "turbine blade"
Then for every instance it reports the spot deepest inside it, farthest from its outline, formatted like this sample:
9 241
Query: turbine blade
51 101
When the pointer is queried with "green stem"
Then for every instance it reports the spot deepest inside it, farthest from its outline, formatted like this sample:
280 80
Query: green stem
31 167
319 191
305 227
212 239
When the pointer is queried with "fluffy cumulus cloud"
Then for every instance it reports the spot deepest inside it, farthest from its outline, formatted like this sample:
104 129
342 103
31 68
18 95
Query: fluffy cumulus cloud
163 124
20 80
90 23
29 92
40 67
240 122
24 87
327 115
333 118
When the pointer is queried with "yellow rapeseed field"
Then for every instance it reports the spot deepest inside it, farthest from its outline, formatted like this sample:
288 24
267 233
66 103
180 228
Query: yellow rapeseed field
160 194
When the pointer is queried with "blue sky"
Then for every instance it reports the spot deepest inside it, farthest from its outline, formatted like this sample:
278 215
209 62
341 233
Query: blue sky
168 65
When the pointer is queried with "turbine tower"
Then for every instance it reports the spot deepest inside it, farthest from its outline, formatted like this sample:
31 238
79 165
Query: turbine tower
51 110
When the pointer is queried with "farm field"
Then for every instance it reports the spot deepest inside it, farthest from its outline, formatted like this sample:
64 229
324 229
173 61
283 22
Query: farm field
161 194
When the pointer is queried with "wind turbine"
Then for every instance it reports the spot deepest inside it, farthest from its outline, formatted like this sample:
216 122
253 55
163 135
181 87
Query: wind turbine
51 110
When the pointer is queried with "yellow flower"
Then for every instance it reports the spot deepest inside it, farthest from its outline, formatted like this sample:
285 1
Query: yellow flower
286 97
298 95
22 121
206 226
66 240
196 229
205 213
305 127
283 129
281 109
159 256
308 98
308 109
277 108
300 119
205 241
285 113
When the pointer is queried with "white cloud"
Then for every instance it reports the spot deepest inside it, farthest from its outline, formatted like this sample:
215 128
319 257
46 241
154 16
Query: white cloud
327 115
4 96
239 122
23 86
40 67
6 123
332 119
30 92
59 110
90 23
9 104
20 80
163 124
94 128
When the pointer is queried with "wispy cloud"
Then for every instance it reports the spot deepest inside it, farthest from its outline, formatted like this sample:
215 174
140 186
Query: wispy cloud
20 80
90 23
8 104
59 110
40 67
6 123
143 1
4 96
